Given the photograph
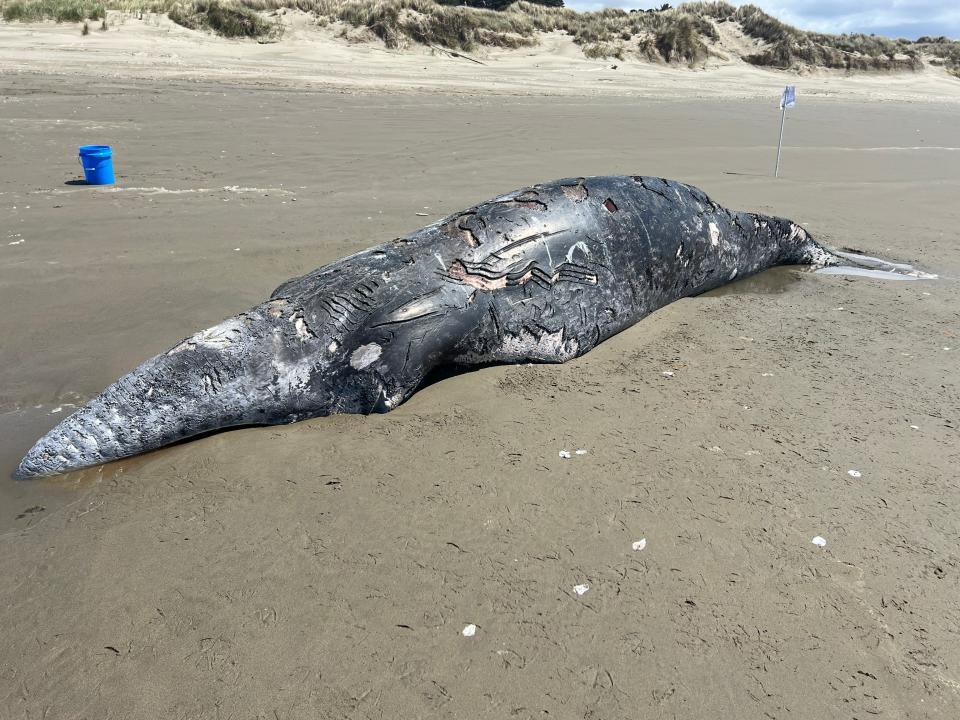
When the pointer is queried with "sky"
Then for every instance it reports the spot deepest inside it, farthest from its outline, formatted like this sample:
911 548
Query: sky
893 18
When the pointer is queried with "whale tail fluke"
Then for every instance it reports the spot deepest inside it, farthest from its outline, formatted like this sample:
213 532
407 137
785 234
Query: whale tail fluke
849 262
799 247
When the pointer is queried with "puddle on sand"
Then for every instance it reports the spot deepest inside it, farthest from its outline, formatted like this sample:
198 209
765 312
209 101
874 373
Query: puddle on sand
26 502
773 281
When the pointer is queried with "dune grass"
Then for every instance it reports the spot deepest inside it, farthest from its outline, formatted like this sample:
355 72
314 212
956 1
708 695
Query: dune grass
59 10
228 19
668 35
400 22
686 35
788 47
497 4
945 51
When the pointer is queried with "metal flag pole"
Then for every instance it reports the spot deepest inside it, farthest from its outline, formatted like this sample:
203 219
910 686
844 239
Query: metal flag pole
787 100
783 117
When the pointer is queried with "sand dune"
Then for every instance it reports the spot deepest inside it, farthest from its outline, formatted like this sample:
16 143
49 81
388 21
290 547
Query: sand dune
310 56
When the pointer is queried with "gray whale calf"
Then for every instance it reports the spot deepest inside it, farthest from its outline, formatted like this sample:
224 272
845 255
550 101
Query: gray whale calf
543 274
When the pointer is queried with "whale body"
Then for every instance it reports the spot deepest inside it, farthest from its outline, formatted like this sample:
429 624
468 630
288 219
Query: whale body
542 274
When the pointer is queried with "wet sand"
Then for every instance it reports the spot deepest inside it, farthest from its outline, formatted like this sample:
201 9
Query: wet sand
326 569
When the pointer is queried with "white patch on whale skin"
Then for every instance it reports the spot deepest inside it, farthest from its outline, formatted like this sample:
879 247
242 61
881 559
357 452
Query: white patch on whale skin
303 331
549 347
365 356
797 232
393 400
581 246
714 234
301 327
818 257
217 337
292 375
524 346
275 307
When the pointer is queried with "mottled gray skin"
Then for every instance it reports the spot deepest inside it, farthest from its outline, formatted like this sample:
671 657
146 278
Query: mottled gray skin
543 274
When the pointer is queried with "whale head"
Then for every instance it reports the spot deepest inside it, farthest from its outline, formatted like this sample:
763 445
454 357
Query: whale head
265 366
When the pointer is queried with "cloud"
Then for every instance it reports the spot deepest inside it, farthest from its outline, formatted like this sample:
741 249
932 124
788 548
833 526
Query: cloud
894 18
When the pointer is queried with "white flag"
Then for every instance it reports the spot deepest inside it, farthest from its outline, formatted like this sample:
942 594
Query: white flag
789 97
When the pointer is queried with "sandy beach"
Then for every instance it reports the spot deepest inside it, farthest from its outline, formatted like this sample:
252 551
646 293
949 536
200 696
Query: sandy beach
328 568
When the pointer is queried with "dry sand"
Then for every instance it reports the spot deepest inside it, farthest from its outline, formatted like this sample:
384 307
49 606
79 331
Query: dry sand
327 569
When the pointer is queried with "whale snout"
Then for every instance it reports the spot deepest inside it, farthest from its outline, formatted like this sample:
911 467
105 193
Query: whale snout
56 452
252 369
100 432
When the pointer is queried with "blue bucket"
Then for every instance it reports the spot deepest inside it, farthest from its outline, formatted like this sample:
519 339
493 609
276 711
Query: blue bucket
97 161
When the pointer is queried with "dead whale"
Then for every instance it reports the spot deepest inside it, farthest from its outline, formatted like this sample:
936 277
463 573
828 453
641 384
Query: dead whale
542 274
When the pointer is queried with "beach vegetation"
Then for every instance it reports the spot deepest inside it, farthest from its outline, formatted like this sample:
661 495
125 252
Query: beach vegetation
787 47
58 10
225 18
402 22
603 50
945 52
497 4
687 35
